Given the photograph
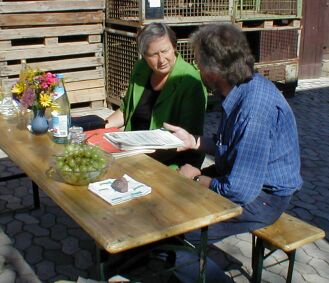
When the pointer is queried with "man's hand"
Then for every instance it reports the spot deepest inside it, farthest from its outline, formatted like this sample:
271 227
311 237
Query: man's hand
189 171
188 139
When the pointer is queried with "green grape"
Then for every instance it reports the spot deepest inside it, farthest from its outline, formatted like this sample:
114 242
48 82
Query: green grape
71 162
83 168
81 164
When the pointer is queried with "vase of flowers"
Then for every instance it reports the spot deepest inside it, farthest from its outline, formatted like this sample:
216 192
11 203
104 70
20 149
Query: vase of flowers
34 90
39 123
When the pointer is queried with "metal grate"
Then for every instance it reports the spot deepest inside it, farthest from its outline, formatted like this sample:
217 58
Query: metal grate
121 54
278 45
172 11
266 9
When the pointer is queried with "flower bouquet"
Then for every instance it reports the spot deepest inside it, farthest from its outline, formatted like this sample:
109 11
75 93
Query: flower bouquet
34 90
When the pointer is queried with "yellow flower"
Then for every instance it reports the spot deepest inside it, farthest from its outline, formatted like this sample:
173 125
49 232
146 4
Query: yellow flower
45 100
18 88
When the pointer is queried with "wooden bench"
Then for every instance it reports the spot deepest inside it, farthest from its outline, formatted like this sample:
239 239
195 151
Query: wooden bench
287 234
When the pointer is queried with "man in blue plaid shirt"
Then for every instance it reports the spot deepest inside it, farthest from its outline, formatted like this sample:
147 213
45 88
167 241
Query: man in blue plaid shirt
257 160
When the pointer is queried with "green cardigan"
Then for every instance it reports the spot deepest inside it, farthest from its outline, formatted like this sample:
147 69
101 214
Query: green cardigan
182 101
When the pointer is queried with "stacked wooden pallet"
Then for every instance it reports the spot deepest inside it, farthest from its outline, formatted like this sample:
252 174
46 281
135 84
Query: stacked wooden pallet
62 36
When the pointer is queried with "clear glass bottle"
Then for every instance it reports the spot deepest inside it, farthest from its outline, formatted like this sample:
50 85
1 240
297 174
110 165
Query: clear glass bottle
8 107
60 118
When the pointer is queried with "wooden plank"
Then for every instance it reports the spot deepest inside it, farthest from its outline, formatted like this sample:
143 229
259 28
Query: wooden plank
85 95
54 5
45 51
289 233
87 84
5 45
97 104
101 112
38 19
76 76
312 39
268 24
84 75
79 45
51 41
65 64
94 38
38 32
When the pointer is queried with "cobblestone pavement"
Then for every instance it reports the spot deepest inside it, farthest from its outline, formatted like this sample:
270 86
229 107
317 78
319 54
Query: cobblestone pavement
56 248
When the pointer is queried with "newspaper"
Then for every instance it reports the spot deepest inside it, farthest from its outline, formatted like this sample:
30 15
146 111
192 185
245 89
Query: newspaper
151 139
97 138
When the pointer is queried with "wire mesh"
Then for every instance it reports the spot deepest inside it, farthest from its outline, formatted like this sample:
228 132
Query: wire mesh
174 11
265 9
121 54
278 45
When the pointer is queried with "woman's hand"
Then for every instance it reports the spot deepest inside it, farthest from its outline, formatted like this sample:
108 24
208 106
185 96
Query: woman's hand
116 119
189 140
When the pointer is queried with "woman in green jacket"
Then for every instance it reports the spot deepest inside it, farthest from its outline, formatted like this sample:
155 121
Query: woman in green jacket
162 88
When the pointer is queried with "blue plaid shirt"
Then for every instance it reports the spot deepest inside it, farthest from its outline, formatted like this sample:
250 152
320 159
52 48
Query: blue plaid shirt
257 143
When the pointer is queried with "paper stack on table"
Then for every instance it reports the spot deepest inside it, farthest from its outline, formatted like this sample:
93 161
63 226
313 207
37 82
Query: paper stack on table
104 190
150 139
96 137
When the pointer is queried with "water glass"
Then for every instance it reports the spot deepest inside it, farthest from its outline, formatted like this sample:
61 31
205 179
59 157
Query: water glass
76 135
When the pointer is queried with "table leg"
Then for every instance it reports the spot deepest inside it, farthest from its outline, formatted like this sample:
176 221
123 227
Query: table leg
36 198
100 262
203 254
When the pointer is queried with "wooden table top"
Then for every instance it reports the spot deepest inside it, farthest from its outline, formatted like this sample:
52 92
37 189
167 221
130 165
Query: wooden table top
175 206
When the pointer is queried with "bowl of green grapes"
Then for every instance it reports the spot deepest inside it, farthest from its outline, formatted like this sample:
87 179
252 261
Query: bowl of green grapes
81 164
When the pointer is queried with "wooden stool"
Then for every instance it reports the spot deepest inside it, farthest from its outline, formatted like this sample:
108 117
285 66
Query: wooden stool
287 234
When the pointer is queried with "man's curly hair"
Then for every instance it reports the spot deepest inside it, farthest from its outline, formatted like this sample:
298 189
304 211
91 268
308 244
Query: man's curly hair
224 50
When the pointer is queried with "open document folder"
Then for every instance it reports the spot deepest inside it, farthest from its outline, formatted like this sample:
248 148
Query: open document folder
150 139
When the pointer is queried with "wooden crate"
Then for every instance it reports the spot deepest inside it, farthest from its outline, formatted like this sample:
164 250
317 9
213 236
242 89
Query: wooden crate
62 36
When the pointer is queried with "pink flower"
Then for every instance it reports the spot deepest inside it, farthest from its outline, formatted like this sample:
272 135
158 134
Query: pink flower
51 78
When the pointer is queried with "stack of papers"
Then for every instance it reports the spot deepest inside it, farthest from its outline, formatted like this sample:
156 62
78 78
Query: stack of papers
137 140
96 137
104 190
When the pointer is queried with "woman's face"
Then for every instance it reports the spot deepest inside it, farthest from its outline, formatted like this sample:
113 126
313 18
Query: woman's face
160 55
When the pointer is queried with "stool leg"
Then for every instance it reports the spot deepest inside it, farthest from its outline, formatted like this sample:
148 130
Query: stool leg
36 199
291 257
257 261
253 256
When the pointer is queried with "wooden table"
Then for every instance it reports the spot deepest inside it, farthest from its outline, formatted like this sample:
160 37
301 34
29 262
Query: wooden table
175 206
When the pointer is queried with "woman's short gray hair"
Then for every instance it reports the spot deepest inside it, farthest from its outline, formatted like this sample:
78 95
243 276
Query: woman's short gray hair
224 50
154 31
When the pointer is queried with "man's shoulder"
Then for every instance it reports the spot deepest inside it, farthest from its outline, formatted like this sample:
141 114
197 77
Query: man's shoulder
258 95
